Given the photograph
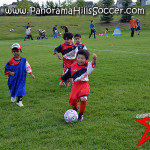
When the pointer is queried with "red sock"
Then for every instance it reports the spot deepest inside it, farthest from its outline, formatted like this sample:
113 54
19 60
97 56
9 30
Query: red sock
75 105
83 106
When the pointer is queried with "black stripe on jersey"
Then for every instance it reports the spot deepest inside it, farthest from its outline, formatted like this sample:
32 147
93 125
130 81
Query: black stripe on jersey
79 73
80 47
68 50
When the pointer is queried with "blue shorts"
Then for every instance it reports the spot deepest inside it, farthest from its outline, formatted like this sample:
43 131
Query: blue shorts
138 28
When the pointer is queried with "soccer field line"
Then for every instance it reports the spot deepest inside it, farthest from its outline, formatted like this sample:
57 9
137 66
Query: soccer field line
115 51
121 52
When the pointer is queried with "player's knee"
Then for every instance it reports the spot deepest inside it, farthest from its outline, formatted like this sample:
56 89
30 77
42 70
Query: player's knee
83 99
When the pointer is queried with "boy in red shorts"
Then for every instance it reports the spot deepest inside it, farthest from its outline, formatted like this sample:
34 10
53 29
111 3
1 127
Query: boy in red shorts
80 71
68 50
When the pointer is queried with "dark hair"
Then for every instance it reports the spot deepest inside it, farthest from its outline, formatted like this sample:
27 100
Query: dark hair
77 35
84 52
91 21
67 36
60 26
28 23
107 29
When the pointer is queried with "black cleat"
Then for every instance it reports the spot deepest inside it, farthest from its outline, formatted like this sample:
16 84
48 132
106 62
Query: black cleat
80 116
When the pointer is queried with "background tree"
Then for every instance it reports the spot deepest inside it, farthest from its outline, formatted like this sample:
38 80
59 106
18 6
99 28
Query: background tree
24 4
125 17
50 4
107 17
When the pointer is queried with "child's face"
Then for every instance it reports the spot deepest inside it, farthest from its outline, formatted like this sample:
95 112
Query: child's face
81 60
68 41
16 53
78 40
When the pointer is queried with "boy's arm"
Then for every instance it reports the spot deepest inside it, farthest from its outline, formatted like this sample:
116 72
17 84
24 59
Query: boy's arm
67 75
91 65
29 70
57 50
94 59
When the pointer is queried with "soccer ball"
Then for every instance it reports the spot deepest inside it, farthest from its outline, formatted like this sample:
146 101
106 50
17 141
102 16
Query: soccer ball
71 116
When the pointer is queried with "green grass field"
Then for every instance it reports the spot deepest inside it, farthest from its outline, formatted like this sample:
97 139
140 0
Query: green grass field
120 89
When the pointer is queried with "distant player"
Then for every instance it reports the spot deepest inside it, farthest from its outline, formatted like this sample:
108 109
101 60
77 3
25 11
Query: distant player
78 43
138 28
55 31
68 50
92 29
16 69
106 32
80 72
65 28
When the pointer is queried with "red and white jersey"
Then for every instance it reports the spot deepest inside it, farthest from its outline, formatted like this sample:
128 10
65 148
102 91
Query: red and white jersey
68 51
13 62
78 73
81 46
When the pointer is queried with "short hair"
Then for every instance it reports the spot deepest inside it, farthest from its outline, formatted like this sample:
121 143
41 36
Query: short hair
67 36
91 21
77 35
84 52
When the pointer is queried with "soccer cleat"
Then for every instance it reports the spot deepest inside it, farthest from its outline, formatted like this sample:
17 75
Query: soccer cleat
20 104
80 116
13 99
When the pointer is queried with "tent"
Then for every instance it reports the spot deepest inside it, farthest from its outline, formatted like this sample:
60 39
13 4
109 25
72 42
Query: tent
117 31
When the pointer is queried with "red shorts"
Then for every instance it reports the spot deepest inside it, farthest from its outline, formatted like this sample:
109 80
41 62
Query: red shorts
78 90
68 63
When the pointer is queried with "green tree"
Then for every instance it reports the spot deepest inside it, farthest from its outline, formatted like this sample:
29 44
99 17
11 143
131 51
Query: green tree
64 4
24 4
107 17
49 4
125 17
36 5
98 4
80 3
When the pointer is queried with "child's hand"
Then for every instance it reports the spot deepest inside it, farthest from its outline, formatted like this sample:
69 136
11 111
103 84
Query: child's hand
12 73
32 76
61 83
59 57
94 56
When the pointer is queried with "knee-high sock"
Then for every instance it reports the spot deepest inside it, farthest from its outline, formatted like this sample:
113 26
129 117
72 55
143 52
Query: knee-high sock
83 106
75 105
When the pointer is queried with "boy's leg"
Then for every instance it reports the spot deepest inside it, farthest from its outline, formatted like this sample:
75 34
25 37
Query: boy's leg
73 97
91 33
19 101
31 37
82 108
53 34
94 33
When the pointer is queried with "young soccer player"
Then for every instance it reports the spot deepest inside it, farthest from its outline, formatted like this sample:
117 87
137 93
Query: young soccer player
68 50
106 32
80 71
78 43
16 69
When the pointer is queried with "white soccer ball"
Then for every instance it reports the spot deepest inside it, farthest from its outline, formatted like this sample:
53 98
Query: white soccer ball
71 116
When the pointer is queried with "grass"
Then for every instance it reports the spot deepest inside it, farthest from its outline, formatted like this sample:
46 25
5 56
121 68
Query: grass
119 91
